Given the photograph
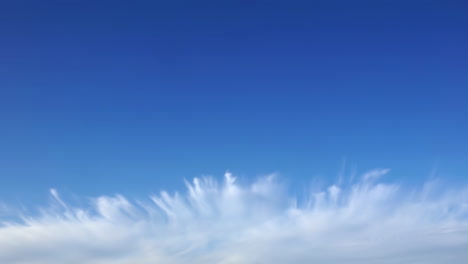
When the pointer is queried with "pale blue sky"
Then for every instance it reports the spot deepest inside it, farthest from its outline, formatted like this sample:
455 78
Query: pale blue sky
100 97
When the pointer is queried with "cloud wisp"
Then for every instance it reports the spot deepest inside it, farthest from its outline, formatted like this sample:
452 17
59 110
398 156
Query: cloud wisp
365 222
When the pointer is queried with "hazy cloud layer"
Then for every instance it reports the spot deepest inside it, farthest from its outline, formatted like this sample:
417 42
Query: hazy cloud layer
367 222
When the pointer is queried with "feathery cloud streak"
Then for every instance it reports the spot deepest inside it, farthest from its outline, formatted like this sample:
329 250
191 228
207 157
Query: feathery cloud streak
225 223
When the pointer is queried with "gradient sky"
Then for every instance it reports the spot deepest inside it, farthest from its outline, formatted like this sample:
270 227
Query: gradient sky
341 129
103 97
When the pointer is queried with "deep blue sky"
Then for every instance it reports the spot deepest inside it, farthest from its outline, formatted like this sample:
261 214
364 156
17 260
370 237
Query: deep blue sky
101 96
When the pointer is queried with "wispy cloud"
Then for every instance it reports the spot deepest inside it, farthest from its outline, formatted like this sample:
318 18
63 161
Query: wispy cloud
225 222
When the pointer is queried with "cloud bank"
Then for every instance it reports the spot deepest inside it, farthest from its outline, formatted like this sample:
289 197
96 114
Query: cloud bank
366 222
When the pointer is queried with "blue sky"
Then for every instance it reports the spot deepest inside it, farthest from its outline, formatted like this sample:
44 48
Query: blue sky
107 106
137 95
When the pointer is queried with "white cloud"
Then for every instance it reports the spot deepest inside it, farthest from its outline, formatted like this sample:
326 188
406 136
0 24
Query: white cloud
366 222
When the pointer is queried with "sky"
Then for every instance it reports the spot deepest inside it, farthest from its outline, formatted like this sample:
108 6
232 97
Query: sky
110 109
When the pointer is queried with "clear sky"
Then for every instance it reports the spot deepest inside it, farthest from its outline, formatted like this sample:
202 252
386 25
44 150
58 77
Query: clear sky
134 96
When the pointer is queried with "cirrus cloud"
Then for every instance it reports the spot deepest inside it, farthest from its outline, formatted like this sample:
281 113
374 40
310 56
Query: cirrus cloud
368 221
